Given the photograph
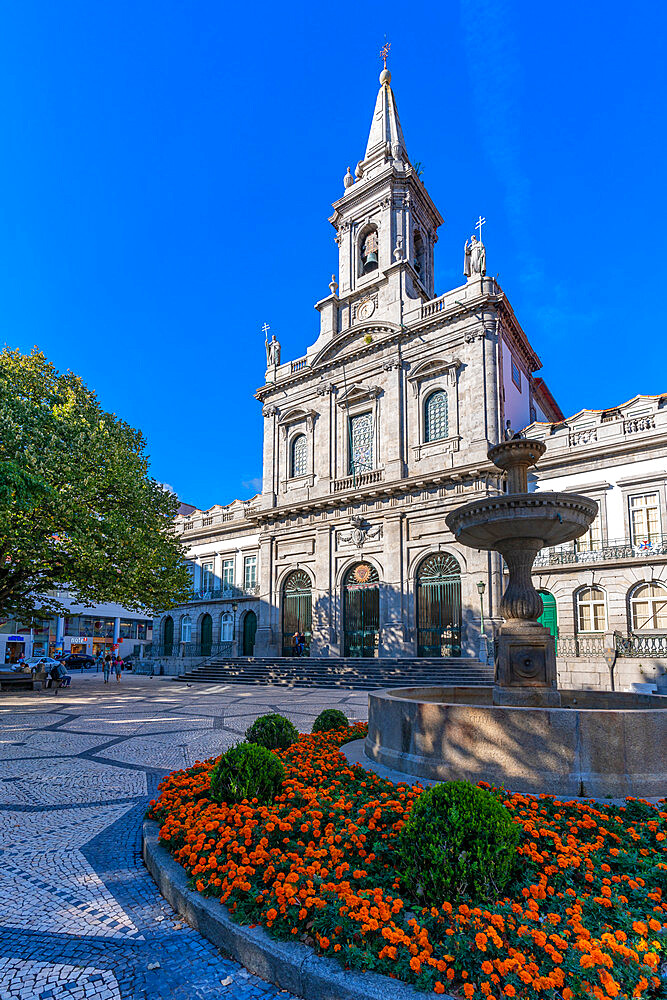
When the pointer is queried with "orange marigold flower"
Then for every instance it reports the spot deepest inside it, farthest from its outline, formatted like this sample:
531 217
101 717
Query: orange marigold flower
487 968
480 941
439 987
469 989
509 990
415 964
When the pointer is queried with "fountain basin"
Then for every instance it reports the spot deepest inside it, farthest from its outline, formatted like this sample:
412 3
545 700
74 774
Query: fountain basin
596 744
550 518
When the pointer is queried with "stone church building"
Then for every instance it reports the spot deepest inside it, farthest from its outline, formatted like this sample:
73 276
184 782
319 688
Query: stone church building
380 429
370 438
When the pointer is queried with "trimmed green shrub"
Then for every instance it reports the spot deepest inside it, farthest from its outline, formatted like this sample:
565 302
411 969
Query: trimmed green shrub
458 841
272 731
330 718
247 771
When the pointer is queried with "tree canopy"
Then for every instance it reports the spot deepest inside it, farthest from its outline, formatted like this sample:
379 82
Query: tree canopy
78 509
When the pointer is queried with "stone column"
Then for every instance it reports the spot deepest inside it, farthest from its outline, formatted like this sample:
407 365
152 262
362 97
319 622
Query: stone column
116 630
393 628
323 636
393 419
266 639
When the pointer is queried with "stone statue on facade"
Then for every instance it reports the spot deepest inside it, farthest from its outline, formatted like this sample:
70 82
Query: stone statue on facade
272 352
474 258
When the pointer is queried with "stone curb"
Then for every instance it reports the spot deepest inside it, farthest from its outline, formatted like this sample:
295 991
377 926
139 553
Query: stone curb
293 967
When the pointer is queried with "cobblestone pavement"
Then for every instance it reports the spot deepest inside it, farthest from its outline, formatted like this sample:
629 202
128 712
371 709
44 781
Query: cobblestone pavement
80 918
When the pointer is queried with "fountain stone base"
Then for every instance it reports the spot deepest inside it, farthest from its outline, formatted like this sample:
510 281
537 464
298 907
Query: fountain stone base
525 665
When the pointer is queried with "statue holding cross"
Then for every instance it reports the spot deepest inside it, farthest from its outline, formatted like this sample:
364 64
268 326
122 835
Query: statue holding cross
272 347
475 253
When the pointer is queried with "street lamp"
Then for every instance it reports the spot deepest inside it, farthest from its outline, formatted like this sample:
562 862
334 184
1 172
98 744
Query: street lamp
481 587
235 607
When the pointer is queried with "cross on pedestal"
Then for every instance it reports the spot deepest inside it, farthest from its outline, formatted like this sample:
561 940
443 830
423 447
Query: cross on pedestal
265 330
478 225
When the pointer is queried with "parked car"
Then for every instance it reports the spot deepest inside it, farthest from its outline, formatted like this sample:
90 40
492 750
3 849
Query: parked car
38 663
79 660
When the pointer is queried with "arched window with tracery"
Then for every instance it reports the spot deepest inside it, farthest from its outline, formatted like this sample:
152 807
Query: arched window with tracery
186 629
298 458
591 610
436 422
648 608
439 606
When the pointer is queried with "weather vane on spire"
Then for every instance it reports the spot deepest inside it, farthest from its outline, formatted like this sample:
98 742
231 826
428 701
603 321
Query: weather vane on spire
384 51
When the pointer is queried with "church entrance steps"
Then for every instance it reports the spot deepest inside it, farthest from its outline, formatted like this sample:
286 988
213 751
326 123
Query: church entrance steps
345 672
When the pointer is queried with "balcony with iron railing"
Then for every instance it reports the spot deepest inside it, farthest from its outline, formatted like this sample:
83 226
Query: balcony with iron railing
611 551
227 593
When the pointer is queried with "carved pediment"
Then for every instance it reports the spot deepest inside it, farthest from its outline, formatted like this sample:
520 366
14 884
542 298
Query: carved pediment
353 340
296 416
435 366
358 393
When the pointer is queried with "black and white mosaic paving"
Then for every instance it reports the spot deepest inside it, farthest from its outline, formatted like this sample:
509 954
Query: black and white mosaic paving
80 918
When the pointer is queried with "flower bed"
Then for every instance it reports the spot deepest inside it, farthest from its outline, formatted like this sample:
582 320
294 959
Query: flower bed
585 914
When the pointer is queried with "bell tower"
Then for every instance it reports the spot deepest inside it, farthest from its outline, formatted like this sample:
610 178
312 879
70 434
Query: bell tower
386 229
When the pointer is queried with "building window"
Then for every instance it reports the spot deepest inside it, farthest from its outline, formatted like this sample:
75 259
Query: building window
207 576
250 572
227 627
645 519
298 456
592 540
648 606
516 374
369 251
186 629
227 574
591 610
435 416
361 443
128 629
145 630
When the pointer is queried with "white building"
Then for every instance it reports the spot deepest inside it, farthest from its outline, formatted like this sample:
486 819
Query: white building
101 628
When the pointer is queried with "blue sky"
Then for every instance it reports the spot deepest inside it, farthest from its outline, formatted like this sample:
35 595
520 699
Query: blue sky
168 170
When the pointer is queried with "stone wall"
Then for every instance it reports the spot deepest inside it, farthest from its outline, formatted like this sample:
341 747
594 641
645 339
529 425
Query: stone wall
168 665
593 674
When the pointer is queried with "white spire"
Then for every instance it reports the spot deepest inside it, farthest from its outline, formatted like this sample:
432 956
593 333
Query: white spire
386 133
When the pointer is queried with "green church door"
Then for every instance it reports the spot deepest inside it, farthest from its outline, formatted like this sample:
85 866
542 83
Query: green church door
168 636
206 635
249 630
549 616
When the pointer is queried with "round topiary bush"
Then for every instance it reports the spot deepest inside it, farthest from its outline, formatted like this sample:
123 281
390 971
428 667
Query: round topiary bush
247 771
330 718
272 731
458 840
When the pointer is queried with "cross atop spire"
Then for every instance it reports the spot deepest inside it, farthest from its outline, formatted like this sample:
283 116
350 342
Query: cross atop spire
384 51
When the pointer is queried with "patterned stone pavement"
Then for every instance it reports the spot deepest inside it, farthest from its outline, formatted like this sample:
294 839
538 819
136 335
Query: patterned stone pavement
80 918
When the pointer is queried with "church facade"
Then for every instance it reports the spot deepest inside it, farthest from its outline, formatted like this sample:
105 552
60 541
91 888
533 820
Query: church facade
370 439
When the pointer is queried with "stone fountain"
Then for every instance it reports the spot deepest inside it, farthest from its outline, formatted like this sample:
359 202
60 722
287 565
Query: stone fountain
523 732
518 524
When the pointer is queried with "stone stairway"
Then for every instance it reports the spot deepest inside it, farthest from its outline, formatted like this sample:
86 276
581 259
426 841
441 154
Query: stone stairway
354 673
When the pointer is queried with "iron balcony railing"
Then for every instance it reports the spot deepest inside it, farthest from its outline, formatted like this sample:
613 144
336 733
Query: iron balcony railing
613 550
182 649
228 593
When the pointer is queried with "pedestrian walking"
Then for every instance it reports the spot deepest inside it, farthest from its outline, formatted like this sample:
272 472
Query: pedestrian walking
302 643
117 666
107 668
99 662
295 644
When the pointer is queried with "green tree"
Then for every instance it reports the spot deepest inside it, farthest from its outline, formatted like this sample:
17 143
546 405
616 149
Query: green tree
77 506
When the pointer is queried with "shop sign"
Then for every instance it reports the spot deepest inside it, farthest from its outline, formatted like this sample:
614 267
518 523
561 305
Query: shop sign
15 638
78 638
